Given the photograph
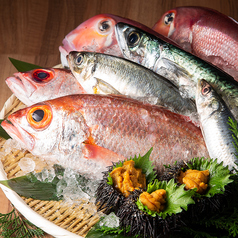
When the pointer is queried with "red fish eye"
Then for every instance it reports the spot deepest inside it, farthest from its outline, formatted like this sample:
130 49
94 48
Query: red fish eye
206 89
39 117
168 19
40 75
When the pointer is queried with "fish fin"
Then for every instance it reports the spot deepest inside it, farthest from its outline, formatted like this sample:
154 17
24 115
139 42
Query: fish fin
95 152
174 68
104 88
177 75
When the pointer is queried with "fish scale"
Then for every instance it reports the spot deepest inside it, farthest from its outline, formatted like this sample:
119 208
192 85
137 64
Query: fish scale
101 129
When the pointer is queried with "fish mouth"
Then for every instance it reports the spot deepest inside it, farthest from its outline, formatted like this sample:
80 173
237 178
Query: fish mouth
18 86
15 84
120 36
64 51
18 133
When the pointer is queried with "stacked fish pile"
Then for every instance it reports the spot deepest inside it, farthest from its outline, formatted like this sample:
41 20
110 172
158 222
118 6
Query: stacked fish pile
124 89
112 55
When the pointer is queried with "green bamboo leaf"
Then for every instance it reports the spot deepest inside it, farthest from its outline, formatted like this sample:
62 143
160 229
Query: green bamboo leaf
50 184
22 66
32 185
3 133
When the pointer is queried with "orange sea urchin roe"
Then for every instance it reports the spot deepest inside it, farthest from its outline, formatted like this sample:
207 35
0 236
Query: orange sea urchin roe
195 179
127 178
154 201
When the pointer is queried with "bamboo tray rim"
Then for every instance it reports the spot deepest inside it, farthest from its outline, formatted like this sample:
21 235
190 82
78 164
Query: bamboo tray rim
31 215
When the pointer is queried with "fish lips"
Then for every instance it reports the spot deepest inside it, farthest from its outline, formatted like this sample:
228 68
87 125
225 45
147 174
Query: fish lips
21 87
18 133
64 51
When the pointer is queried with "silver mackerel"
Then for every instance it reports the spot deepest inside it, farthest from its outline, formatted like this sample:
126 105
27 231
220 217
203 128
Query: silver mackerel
214 114
177 65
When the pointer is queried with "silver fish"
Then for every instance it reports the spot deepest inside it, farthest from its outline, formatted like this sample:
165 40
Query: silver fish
105 74
213 115
179 66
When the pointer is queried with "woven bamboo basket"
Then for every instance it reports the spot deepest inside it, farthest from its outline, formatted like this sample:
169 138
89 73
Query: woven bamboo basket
56 218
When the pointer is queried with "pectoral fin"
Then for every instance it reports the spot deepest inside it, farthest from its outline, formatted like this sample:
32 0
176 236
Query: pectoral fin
103 155
104 88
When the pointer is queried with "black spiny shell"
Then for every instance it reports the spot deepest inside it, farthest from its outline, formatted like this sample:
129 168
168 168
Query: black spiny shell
143 224
107 198
204 207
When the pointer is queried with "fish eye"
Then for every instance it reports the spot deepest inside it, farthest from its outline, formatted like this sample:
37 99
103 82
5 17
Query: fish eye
78 59
104 26
39 117
41 75
168 19
206 89
133 38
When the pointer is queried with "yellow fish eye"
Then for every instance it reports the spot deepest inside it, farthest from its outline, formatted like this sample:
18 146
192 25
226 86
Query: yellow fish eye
133 38
39 117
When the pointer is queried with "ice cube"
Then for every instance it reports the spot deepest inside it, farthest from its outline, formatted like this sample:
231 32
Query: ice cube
26 164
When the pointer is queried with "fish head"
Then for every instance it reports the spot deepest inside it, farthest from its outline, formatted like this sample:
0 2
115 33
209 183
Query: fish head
166 24
49 128
137 44
208 100
82 66
177 24
43 84
96 34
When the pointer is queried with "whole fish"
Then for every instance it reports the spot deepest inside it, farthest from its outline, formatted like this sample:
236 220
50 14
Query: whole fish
105 74
214 115
78 130
97 34
43 84
204 32
181 67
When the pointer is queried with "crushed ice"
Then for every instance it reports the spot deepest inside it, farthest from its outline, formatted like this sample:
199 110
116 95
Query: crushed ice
110 220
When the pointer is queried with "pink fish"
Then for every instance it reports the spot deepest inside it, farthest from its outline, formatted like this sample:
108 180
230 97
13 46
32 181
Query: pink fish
79 130
96 34
43 84
204 32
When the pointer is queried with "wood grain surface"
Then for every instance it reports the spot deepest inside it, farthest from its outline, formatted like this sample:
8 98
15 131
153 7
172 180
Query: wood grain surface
32 30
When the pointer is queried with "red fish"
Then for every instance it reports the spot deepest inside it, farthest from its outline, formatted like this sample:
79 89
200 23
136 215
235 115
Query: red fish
43 84
96 34
204 32
82 129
